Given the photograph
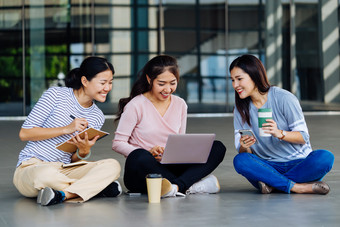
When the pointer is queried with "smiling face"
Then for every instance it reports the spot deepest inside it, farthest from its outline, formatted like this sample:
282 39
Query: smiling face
242 83
99 86
163 86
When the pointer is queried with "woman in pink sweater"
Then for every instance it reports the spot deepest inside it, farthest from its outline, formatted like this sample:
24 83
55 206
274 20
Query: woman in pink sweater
147 117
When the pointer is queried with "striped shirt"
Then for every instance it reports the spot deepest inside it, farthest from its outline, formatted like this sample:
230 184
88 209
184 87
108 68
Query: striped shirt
53 110
288 115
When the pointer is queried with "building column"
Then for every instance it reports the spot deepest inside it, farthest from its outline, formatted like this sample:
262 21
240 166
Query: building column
329 49
37 51
293 64
273 11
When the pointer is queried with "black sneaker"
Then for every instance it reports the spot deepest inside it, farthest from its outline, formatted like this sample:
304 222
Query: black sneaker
49 196
112 190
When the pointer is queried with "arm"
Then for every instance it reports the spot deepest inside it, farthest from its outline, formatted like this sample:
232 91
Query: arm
242 144
290 137
126 125
39 133
289 118
182 130
33 128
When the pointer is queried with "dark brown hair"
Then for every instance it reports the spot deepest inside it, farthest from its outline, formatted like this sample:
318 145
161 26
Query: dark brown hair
255 69
89 68
152 69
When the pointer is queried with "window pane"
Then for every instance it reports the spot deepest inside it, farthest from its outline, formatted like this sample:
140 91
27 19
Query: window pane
180 41
179 17
213 70
112 17
11 84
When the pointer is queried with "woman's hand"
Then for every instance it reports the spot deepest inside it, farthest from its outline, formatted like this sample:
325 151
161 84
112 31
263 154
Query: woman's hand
84 145
291 136
78 124
271 128
247 141
157 152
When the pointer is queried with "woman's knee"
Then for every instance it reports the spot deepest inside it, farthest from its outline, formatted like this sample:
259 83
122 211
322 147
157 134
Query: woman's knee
325 158
112 165
326 155
138 158
218 145
241 161
218 150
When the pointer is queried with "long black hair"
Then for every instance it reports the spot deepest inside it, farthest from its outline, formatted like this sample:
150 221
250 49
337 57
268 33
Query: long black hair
89 68
152 69
255 69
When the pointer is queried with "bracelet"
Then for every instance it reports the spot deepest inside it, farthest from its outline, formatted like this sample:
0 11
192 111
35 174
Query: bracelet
83 158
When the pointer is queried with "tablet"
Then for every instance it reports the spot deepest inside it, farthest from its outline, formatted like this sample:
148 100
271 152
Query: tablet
187 148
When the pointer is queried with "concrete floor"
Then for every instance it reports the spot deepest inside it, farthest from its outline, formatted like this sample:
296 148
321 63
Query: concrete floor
238 203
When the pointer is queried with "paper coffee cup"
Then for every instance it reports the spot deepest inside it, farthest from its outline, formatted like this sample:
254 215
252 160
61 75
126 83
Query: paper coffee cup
154 186
264 114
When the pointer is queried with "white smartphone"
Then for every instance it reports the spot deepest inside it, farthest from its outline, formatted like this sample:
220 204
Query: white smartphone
247 132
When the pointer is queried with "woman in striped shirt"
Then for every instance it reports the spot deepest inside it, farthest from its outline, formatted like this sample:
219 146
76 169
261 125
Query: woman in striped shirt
59 114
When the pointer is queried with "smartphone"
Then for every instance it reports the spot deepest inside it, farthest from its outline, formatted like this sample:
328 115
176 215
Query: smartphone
132 194
247 132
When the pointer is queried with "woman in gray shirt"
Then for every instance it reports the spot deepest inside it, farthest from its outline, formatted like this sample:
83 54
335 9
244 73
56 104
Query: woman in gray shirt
284 160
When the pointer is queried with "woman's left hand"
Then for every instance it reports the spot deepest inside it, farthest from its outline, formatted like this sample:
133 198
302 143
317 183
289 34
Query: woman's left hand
157 152
84 145
271 128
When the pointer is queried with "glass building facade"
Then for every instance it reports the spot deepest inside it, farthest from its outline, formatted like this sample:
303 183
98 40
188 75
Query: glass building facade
298 41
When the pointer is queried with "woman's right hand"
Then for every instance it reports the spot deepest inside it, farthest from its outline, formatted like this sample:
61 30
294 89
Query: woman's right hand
157 152
78 124
246 142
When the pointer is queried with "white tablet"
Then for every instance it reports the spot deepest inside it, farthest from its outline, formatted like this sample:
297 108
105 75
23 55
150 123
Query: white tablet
187 148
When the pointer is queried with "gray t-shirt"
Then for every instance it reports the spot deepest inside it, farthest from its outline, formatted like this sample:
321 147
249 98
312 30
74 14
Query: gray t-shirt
288 115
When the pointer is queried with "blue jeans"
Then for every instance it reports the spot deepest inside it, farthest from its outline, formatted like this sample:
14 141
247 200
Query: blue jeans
283 175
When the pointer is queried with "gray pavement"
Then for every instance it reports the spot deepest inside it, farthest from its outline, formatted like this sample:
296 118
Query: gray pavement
238 203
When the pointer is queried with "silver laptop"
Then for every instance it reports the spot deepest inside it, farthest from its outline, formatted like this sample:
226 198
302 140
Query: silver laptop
187 148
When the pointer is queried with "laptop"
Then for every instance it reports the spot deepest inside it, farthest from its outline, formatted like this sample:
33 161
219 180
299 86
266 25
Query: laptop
187 148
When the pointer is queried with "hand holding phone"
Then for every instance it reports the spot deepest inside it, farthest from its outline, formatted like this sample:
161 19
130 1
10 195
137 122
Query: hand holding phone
248 132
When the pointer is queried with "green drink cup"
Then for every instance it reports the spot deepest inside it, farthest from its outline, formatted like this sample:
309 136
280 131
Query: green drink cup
264 114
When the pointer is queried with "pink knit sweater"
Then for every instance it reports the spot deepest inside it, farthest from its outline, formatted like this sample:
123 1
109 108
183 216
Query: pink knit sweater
142 126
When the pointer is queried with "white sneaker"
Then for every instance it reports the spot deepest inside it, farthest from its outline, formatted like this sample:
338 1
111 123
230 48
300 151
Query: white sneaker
170 190
209 184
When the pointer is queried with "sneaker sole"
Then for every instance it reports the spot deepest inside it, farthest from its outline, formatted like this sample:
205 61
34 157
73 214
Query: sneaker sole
119 188
217 184
39 196
46 196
